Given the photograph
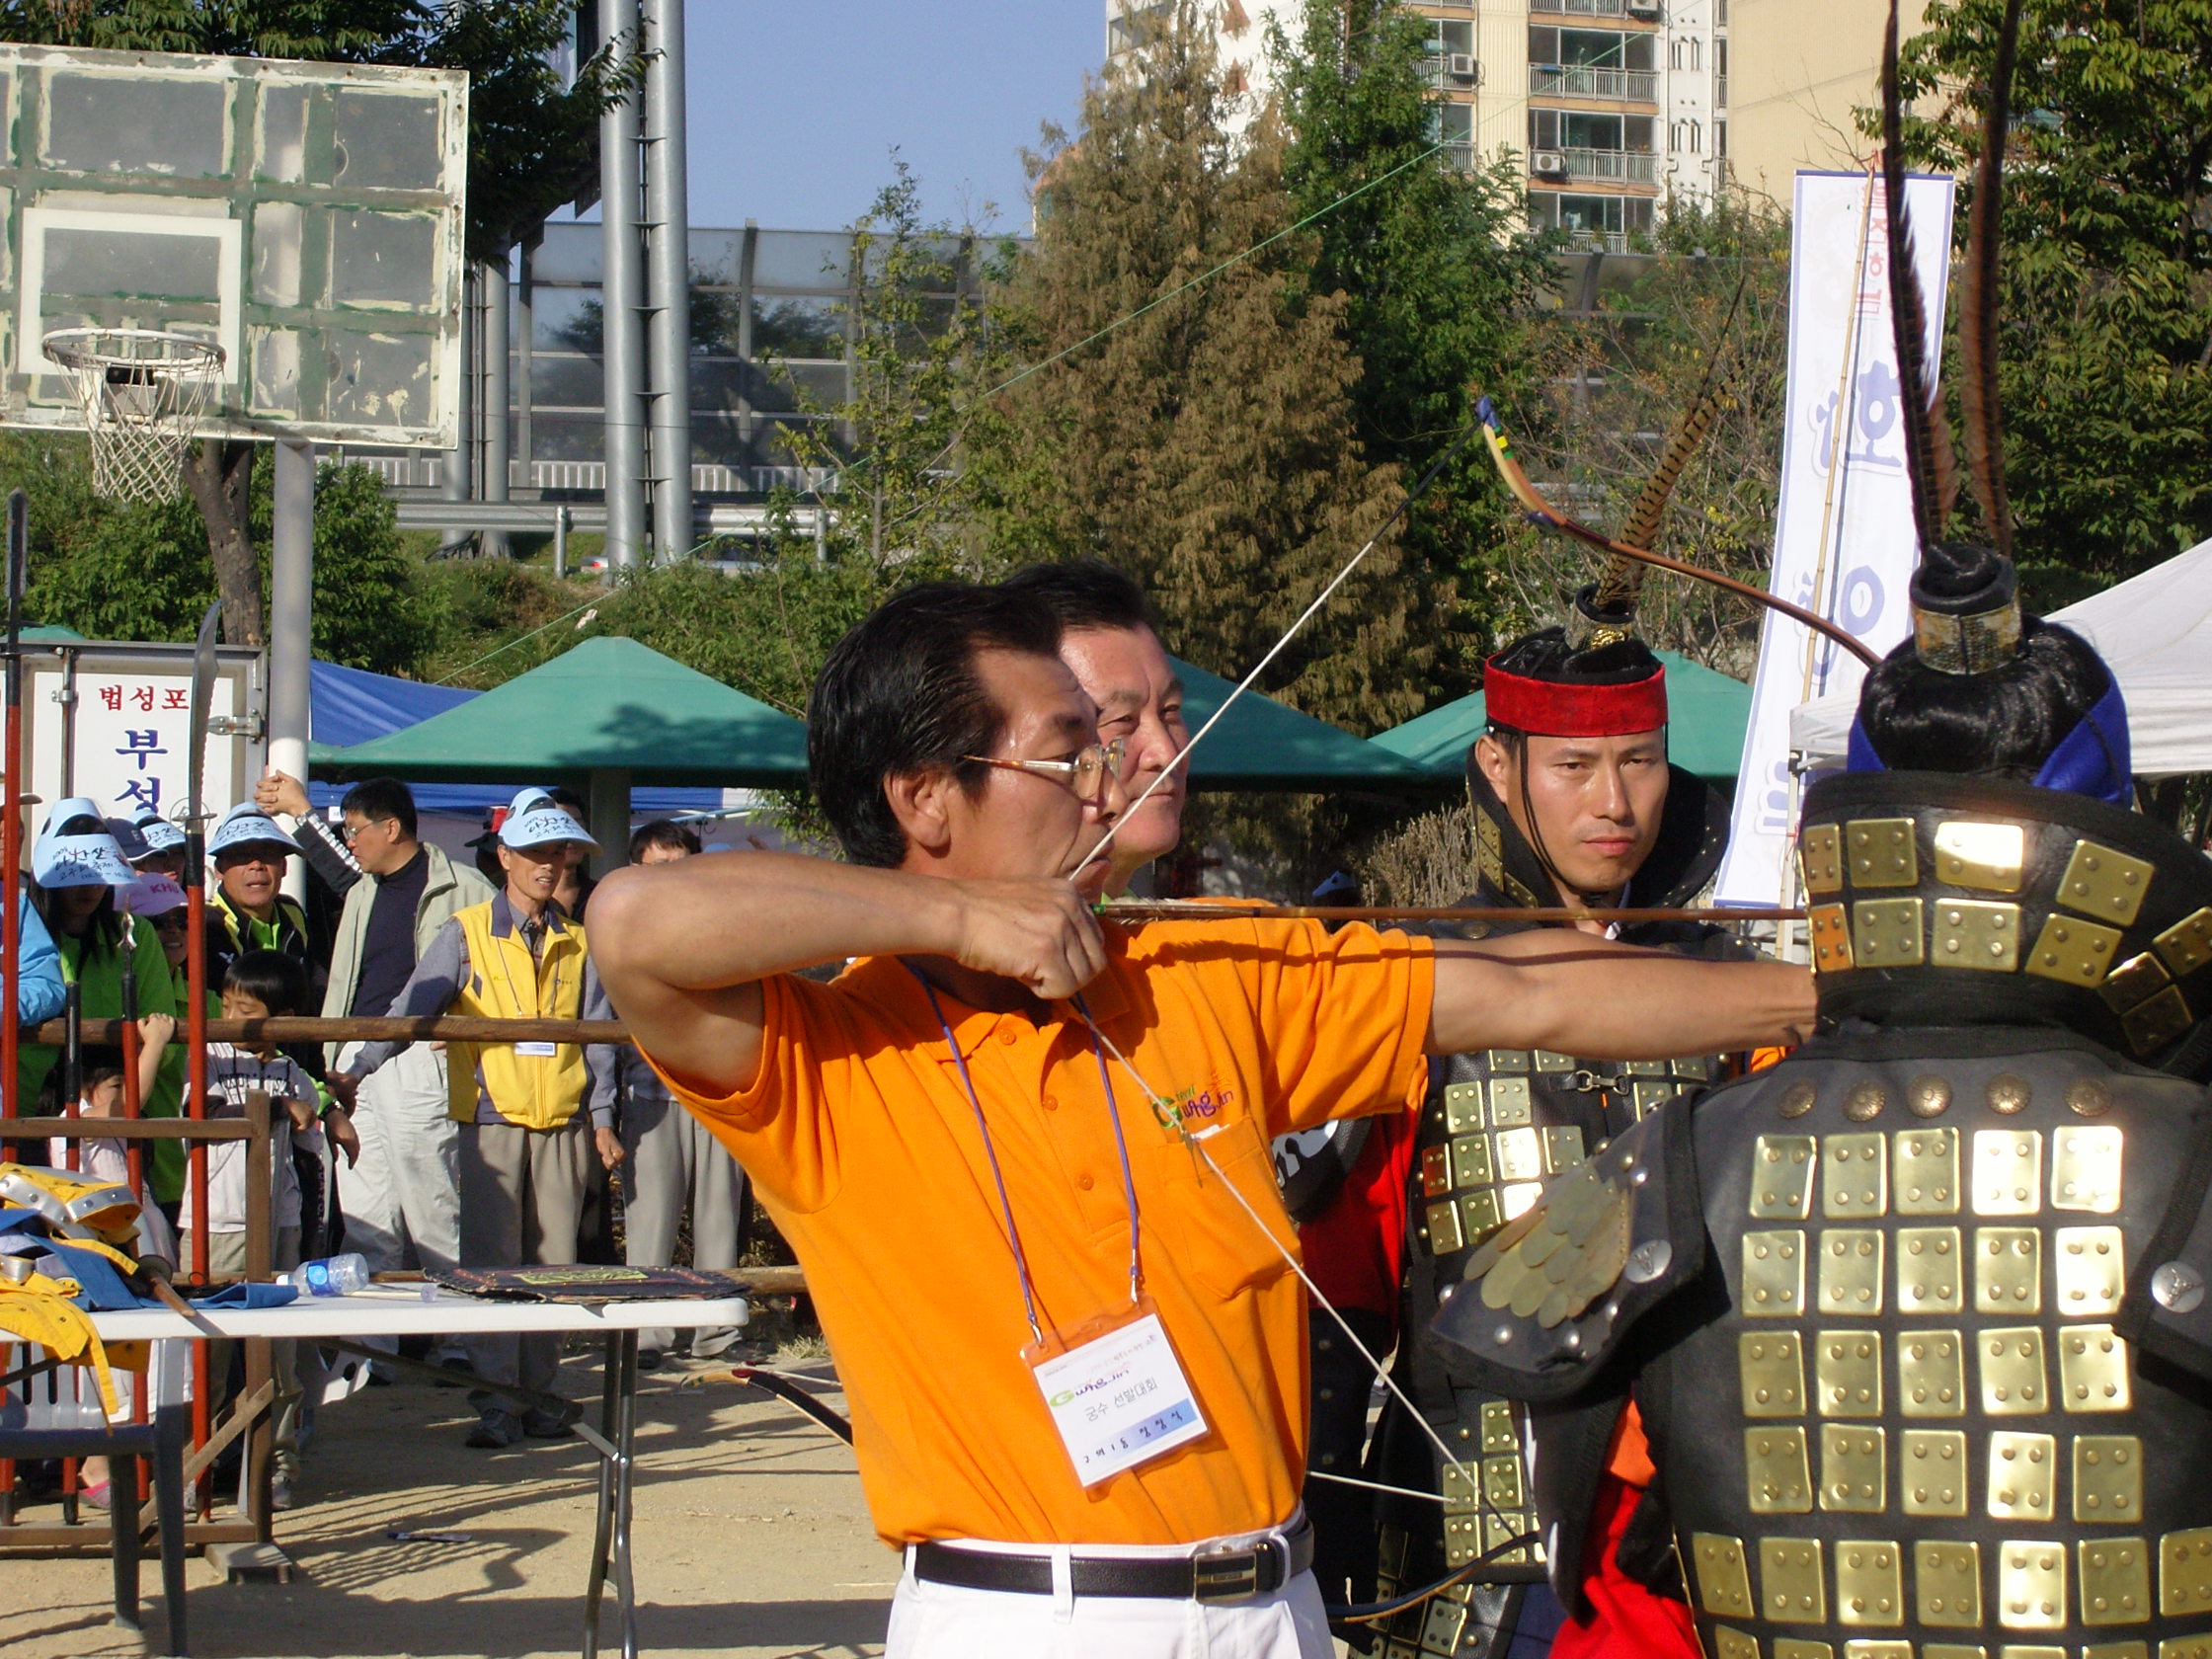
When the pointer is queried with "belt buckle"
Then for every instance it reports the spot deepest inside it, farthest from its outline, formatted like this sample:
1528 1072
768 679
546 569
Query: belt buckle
1229 1575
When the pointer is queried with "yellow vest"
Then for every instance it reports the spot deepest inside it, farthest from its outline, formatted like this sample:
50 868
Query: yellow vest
504 981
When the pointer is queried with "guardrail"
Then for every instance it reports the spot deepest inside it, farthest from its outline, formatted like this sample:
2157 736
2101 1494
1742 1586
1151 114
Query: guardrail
1551 80
1631 166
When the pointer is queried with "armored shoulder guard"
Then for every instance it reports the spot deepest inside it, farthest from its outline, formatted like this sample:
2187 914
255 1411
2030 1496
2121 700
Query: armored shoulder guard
1548 1299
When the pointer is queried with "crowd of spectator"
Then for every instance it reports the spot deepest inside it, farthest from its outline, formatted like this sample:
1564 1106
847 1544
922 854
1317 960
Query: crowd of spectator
424 1156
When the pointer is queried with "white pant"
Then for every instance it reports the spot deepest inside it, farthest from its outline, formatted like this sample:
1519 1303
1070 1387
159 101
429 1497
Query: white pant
672 1158
406 1189
945 1621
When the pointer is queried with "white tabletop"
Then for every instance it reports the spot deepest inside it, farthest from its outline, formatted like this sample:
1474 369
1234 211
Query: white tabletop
416 1311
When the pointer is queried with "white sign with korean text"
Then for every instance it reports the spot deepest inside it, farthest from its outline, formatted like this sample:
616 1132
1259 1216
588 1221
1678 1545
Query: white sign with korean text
126 741
1844 546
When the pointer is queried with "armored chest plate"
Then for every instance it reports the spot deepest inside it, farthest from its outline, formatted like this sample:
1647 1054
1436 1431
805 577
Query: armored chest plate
1915 1431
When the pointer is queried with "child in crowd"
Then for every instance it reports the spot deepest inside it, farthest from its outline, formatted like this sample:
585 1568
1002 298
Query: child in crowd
262 984
99 1095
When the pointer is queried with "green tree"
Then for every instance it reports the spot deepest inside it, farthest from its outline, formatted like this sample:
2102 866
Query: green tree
1439 283
2105 323
893 458
371 611
1705 306
107 571
1208 446
532 145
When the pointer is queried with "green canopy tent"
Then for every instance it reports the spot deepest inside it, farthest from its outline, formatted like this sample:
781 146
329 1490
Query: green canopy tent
1265 746
610 713
1707 713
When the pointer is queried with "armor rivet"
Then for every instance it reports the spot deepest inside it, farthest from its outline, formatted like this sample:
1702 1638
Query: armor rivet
1927 1097
2179 1288
1648 1261
1796 1100
2090 1099
1504 1334
1325 1343
1328 1393
2008 1092
1865 1101
1574 1341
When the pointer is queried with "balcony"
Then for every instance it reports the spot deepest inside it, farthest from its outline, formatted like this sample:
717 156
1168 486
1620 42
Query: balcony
1720 91
1629 166
1598 241
1461 157
1582 8
1554 80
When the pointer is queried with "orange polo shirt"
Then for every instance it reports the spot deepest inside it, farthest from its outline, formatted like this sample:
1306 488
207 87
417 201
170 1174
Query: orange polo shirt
864 1149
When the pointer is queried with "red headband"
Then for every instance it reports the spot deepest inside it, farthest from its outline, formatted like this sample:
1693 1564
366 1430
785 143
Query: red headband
1546 708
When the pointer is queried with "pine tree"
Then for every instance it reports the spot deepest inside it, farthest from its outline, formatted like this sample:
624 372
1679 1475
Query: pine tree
1438 282
1209 445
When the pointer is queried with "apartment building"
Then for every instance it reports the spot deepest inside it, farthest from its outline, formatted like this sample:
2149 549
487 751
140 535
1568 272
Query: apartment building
1610 105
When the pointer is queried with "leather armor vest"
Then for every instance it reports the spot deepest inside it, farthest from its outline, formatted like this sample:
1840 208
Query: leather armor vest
1914 1318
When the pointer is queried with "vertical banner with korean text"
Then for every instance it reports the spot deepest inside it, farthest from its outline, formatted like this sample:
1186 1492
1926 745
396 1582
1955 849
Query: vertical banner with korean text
1843 539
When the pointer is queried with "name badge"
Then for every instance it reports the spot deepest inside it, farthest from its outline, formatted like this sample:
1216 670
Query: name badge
1119 1399
537 1051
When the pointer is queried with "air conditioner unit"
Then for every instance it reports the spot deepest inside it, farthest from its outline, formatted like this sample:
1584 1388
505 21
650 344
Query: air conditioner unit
1647 11
1460 66
1548 162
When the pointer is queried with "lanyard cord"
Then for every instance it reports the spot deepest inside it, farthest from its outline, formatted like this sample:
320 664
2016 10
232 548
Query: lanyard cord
998 1177
1121 1145
507 968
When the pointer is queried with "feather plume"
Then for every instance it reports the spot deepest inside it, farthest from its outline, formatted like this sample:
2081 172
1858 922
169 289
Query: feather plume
1621 579
1977 344
1928 440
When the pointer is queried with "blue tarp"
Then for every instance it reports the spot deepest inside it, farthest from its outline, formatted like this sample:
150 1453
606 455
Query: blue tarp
349 706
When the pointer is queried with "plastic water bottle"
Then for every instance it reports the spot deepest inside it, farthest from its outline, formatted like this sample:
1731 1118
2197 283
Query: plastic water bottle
330 1276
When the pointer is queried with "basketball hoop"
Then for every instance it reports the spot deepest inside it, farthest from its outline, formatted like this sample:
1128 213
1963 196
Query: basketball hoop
141 392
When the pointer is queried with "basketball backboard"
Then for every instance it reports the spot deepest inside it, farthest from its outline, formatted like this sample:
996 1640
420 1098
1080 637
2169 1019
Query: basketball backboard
306 217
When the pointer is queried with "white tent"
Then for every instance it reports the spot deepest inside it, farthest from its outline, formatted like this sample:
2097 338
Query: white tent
2154 629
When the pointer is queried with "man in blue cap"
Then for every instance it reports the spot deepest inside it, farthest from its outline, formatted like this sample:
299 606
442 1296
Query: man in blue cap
524 1153
247 910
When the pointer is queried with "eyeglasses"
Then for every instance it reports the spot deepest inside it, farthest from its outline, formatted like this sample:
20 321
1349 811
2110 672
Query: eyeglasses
170 921
1086 774
347 832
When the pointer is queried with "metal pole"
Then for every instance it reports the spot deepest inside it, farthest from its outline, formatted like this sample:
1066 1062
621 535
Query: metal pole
454 479
498 444
621 299
11 835
292 621
668 279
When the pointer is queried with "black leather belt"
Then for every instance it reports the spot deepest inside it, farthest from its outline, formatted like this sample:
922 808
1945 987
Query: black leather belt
1225 1575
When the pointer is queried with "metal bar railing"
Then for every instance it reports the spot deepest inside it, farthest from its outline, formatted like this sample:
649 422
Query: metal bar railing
1575 80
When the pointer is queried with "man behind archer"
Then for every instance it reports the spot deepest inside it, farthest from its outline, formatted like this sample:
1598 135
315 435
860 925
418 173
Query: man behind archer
1575 802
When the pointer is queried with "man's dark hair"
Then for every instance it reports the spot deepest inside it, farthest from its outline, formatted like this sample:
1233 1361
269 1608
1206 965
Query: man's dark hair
2001 723
663 833
1083 593
96 1064
278 983
379 799
569 801
899 694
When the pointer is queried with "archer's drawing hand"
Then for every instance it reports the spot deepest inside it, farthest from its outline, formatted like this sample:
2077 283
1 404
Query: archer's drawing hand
1038 932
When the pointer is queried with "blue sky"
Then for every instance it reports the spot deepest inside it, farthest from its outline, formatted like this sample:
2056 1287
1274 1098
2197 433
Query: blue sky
795 106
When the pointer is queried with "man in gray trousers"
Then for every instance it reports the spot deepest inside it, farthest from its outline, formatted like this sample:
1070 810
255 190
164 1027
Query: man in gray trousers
399 892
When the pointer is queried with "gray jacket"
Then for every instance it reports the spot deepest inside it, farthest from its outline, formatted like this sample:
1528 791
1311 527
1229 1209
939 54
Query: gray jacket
448 889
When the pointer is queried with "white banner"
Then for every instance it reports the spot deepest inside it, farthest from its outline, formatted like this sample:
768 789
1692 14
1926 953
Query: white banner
1843 539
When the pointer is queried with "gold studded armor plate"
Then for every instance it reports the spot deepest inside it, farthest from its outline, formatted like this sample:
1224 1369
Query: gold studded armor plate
1916 1428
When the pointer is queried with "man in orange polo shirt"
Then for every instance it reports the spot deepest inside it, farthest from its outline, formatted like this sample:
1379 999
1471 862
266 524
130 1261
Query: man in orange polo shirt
1024 1157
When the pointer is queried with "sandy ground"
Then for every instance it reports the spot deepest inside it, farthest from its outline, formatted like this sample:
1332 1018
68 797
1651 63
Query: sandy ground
750 1539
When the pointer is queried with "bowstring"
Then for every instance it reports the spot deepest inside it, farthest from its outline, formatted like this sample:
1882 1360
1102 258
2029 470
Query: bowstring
1173 1117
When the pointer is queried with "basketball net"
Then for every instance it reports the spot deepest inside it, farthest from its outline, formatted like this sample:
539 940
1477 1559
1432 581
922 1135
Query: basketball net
142 393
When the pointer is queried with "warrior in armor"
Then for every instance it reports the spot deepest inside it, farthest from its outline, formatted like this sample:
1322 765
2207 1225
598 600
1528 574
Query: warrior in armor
1575 805
1905 1316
